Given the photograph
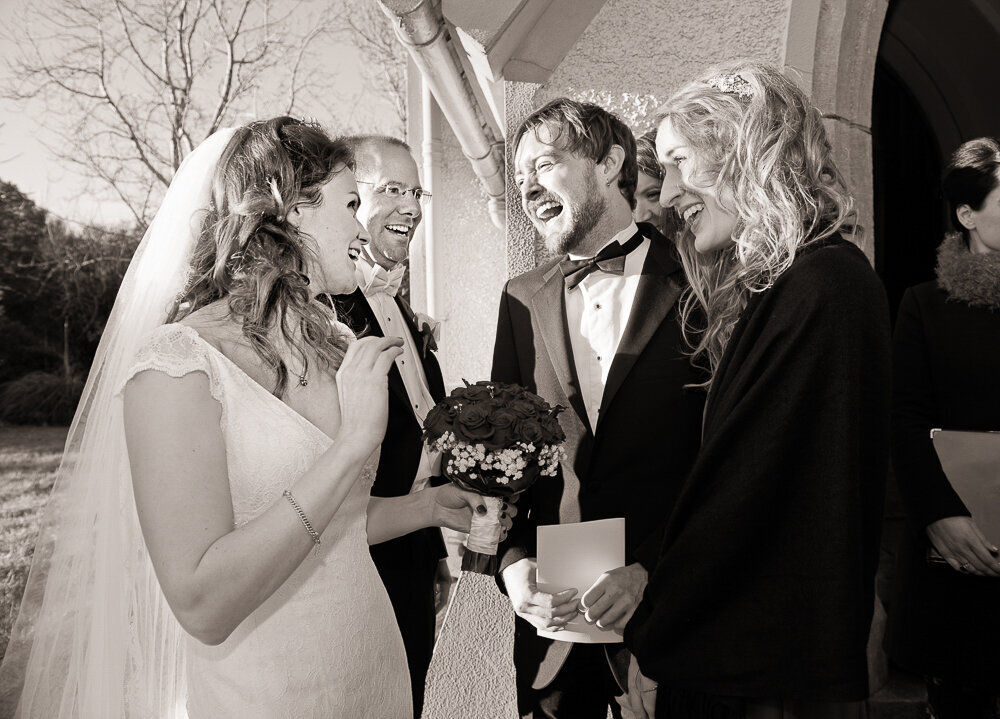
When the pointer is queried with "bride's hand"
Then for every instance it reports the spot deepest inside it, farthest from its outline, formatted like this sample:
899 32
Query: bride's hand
362 389
453 507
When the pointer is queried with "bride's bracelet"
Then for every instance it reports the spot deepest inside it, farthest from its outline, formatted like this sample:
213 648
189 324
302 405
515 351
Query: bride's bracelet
302 515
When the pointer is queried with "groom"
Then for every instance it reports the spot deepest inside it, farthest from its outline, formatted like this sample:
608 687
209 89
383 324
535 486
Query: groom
412 567
604 339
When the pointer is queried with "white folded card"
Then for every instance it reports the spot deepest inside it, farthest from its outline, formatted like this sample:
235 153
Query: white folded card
575 555
971 461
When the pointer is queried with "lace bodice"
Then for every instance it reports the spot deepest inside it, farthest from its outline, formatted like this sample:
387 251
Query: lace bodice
325 644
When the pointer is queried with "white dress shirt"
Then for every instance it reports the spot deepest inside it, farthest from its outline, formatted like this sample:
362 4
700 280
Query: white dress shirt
597 311
393 324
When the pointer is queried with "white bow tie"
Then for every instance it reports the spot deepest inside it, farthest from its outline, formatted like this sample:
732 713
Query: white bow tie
385 282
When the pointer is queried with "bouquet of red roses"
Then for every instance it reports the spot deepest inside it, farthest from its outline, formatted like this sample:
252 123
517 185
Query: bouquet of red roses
496 439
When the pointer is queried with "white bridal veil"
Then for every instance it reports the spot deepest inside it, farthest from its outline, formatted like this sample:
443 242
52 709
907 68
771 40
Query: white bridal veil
94 636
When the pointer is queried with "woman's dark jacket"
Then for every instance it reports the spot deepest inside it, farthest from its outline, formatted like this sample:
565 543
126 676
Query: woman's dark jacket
946 362
765 582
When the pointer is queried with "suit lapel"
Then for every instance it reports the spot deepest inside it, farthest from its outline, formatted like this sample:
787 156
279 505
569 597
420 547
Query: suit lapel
432 370
657 292
549 306
363 321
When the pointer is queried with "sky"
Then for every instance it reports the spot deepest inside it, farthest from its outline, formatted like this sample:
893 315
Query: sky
26 161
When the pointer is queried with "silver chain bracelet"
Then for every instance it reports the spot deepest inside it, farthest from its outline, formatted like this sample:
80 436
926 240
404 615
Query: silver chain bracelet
302 515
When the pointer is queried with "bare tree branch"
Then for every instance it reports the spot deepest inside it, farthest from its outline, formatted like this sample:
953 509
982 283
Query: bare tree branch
130 86
385 68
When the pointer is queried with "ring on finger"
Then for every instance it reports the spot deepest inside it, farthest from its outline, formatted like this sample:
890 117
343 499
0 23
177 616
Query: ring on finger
964 567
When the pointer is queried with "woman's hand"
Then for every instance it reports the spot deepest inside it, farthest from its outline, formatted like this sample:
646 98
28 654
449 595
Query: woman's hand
453 507
964 547
362 388
639 702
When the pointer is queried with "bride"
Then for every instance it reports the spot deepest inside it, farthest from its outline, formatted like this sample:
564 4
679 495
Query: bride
205 550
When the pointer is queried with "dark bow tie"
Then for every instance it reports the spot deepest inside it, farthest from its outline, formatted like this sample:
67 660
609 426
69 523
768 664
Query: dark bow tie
611 259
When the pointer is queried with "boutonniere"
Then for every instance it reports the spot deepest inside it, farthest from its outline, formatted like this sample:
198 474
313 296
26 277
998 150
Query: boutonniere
430 332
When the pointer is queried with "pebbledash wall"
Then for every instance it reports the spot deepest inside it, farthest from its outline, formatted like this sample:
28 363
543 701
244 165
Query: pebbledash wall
630 58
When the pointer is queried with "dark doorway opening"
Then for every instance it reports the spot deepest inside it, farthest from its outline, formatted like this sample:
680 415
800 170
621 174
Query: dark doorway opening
934 88
906 167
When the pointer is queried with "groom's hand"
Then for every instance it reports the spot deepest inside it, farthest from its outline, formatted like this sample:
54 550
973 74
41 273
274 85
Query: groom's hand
545 611
612 600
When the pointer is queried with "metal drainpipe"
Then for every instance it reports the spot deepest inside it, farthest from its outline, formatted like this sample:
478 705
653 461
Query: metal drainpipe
431 156
421 28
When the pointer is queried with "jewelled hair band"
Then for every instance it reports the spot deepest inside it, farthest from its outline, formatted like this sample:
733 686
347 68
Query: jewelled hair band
732 85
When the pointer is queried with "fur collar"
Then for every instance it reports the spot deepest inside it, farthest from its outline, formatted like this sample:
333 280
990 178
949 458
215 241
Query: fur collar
966 277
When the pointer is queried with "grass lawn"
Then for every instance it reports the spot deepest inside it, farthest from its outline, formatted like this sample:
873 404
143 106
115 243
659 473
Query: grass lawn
29 457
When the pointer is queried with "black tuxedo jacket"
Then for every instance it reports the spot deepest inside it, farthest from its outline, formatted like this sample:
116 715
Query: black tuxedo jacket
634 462
406 564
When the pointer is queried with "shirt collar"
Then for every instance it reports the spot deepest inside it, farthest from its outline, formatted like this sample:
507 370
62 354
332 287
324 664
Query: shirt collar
621 237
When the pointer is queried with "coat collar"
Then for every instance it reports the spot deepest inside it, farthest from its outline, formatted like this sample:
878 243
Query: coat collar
967 277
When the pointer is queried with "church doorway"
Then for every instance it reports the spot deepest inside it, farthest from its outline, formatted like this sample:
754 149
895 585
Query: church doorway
934 88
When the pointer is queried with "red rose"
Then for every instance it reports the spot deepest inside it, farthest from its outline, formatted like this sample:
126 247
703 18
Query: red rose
540 404
438 421
502 419
529 430
507 393
476 392
473 423
523 408
553 430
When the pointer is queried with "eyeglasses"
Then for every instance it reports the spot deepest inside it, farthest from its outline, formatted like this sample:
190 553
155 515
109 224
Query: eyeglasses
394 190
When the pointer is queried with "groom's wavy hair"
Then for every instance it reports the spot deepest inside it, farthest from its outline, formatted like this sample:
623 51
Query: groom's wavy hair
587 131
250 254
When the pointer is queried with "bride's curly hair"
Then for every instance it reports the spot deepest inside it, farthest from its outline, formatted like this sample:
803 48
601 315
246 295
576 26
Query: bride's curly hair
764 149
250 254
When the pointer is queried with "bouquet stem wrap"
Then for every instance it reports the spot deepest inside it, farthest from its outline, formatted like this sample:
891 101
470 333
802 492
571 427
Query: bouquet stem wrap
484 536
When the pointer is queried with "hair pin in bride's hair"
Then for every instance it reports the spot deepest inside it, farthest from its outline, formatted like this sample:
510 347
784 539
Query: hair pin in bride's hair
732 85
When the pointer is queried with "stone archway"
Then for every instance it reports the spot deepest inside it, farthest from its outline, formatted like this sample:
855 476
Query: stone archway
832 46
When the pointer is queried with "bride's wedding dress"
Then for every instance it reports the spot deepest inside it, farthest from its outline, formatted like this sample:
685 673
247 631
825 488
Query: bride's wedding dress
325 644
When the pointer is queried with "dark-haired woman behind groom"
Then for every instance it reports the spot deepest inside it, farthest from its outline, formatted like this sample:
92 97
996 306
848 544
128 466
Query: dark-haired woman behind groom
945 623
647 190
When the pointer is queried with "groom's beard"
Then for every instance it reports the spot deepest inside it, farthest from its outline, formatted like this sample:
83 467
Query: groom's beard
585 219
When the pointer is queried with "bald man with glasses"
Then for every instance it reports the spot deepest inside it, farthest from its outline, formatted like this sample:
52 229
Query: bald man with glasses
412 567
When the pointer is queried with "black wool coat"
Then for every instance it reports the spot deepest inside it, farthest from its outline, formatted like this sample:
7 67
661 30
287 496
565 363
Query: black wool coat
946 363
764 584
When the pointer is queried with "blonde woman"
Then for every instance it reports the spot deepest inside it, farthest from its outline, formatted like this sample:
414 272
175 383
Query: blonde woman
761 599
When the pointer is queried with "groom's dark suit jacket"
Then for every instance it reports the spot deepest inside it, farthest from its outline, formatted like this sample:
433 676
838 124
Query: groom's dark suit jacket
633 463
407 564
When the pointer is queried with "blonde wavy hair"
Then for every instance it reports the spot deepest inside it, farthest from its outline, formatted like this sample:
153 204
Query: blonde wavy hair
251 255
764 150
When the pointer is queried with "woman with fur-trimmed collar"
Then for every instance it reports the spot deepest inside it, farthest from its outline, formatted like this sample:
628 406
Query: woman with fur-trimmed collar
946 354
